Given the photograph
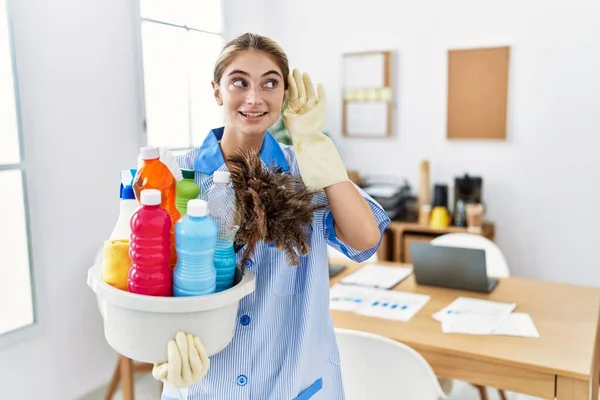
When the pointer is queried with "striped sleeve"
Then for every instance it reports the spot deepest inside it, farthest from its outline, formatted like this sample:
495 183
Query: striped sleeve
381 217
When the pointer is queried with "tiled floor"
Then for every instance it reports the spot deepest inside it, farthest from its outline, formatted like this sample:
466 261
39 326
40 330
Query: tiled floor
148 389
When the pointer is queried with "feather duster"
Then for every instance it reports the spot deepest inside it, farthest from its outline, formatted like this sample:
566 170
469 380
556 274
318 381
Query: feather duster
272 206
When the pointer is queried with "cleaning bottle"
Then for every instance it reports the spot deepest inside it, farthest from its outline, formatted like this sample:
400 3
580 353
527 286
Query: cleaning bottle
128 205
153 174
149 248
115 253
187 190
221 206
196 237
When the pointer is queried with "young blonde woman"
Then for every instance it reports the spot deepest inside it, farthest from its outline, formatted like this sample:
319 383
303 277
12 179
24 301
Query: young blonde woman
284 346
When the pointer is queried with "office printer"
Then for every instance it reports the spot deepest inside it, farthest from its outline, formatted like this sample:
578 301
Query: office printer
396 199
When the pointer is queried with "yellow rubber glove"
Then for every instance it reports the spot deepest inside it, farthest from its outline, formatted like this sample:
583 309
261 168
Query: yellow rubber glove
319 161
187 362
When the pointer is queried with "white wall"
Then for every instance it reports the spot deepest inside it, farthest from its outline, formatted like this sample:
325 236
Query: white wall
542 185
81 125
243 17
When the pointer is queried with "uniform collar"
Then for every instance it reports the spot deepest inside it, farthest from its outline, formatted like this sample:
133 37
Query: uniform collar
210 157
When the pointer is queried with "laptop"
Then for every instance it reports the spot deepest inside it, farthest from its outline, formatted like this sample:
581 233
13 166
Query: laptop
335 269
451 267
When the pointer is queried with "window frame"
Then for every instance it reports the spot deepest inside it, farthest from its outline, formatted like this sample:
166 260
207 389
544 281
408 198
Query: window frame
141 77
34 329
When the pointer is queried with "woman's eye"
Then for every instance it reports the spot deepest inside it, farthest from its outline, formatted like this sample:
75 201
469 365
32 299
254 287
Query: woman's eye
271 84
239 83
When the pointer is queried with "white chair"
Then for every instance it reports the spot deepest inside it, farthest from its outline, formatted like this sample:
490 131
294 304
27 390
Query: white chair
375 367
496 266
334 254
494 259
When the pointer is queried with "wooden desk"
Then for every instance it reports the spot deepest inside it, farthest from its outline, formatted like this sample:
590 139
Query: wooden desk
564 362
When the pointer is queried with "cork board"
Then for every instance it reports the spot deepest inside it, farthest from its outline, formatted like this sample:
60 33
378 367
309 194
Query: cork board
478 93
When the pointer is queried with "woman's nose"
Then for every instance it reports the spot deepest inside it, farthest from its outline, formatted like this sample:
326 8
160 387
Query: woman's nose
254 97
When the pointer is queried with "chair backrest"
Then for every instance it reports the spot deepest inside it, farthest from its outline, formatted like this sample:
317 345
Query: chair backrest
375 367
496 264
334 254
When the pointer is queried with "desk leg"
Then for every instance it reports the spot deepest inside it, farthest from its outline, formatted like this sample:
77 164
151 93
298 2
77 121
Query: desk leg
573 389
397 247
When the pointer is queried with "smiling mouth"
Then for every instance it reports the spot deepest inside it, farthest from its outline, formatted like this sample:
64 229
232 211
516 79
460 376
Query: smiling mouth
253 115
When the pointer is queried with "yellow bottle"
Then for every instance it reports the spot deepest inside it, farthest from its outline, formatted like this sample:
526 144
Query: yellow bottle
440 218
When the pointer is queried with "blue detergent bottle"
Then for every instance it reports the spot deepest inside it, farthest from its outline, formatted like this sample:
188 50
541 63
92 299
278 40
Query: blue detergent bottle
195 241
221 206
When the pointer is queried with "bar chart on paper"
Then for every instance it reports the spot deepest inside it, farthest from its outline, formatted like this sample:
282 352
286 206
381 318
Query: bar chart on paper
379 303
394 305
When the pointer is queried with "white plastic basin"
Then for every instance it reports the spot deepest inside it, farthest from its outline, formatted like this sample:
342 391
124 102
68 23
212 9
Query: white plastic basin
139 327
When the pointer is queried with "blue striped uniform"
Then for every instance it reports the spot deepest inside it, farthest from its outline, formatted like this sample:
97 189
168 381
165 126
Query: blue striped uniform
284 346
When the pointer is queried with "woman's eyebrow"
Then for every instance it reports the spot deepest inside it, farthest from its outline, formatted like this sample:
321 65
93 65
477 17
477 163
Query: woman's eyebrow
270 73
239 71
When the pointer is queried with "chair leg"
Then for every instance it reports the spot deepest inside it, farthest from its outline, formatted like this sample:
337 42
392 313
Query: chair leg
127 378
482 392
502 394
114 381
142 368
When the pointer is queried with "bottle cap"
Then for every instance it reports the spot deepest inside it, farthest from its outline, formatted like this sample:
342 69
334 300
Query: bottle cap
150 197
221 177
126 191
149 152
197 208
188 173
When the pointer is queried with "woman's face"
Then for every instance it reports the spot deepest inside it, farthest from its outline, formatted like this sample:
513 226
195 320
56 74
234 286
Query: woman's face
252 91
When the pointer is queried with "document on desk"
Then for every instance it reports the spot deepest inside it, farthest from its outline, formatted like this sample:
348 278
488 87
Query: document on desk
377 276
348 298
473 316
517 324
399 306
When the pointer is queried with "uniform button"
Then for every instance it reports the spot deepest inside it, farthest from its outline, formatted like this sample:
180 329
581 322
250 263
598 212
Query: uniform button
272 244
249 263
245 320
242 380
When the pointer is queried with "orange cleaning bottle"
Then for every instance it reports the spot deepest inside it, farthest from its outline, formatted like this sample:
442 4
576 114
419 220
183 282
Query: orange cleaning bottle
153 174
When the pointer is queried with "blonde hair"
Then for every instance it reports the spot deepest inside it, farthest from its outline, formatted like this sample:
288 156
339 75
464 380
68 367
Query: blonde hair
251 41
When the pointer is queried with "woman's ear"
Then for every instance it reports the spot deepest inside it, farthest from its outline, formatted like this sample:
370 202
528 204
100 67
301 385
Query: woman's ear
217 93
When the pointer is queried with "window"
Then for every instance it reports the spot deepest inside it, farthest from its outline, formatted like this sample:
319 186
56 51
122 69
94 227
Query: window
181 39
16 293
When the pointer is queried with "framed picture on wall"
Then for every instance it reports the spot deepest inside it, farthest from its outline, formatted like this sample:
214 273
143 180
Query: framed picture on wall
367 109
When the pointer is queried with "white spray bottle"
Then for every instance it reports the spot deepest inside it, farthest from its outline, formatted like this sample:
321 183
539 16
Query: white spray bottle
129 204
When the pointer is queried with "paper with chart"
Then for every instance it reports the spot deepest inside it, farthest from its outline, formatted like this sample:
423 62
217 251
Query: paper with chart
400 306
348 298
388 304
473 316
377 276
